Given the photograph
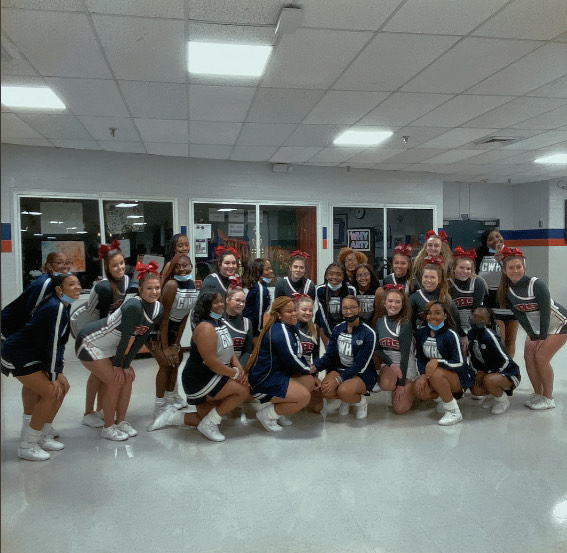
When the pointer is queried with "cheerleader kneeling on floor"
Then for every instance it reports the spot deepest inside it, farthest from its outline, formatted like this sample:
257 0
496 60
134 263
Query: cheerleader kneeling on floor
34 355
496 372
444 372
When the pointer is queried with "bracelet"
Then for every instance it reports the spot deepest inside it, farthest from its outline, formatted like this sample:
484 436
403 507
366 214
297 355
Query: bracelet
339 380
237 374
177 347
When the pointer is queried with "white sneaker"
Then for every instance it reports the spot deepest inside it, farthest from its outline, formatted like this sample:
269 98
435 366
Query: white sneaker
269 424
179 402
243 419
33 453
440 408
361 409
167 417
542 404
127 428
100 414
113 433
344 408
500 405
331 406
451 417
284 421
210 430
476 398
532 400
92 420
53 433
50 444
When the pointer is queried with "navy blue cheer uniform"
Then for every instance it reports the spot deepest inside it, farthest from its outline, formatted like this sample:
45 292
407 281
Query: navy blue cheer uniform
309 345
445 347
286 287
329 312
257 303
215 282
405 281
198 380
18 312
279 358
467 295
110 337
350 354
366 299
490 270
100 303
532 305
240 330
489 356
420 299
40 344
394 346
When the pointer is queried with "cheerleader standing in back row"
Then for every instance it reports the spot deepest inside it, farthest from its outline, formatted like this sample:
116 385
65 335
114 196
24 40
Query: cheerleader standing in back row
106 297
351 259
436 245
366 284
225 274
296 282
34 355
258 299
101 347
544 321
329 296
179 245
178 297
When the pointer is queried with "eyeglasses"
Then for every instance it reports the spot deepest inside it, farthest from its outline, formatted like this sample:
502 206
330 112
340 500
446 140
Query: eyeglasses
363 275
238 301
60 263
353 308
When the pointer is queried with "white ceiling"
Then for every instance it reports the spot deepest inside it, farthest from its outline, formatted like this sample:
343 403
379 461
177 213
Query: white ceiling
444 73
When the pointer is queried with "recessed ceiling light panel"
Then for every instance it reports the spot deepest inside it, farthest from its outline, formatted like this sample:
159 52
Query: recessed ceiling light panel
555 159
36 97
227 59
362 138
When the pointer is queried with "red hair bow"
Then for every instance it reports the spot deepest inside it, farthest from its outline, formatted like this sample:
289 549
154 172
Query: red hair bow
459 252
433 260
403 249
511 252
234 281
296 296
151 267
441 234
221 249
399 287
104 249
299 253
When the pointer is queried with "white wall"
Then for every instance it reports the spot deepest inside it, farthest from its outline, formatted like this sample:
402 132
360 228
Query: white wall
52 170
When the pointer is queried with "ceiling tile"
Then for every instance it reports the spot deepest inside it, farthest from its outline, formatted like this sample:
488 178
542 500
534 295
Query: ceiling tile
549 120
59 5
77 144
233 12
264 134
338 106
252 153
209 151
164 149
66 127
490 157
13 62
99 128
172 9
527 19
538 68
469 62
460 109
277 105
155 100
314 135
219 103
333 154
329 54
229 33
13 127
293 155
453 156
90 96
390 60
402 108
28 141
456 137
415 135
555 89
120 146
57 44
160 130
141 49
374 155
416 155
442 16
539 141
206 132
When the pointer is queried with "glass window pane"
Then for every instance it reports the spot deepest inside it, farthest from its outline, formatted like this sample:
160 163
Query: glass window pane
59 224
287 228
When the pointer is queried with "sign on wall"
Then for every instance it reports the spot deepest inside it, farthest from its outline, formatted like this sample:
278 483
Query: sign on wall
359 239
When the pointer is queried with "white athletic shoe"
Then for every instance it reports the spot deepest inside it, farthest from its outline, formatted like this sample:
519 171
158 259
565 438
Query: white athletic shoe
92 420
344 408
168 417
50 444
476 398
542 404
361 409
53 433
100 414
451 416
532 400
284 421
127 428
439 408
113 433
269 424
331 406
210 430
33 452
500 405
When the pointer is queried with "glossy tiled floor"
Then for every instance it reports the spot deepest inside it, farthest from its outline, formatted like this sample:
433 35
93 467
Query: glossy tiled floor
389 484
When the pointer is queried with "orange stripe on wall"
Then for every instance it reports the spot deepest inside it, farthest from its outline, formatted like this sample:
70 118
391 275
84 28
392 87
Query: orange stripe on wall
536 242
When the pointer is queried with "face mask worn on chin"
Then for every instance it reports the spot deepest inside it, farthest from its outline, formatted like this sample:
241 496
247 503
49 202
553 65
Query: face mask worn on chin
182 278
67 299
478 325
334 288
351 318
436 327
215 315
267 280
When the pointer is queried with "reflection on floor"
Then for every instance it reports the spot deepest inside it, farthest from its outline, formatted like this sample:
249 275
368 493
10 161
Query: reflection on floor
395 484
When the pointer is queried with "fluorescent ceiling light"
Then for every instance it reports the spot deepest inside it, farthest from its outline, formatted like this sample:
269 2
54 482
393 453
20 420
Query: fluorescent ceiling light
71 228
37 234
124 204
227 209
227 59
134 216
31 97
362 138
140 223
56 222
31 212
554 159
81 232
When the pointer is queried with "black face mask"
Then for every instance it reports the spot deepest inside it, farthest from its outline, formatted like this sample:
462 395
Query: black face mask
477 325
351 318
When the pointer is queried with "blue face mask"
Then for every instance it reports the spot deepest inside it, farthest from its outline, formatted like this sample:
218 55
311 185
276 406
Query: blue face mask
67 299
215 315
334 288
57 274
437 327
267 280
491 250
182 278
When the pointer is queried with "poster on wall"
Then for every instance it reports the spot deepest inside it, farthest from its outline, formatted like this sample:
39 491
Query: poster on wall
74 251
359 239
61 217
236 216
202 231
200 247
120 220
235 229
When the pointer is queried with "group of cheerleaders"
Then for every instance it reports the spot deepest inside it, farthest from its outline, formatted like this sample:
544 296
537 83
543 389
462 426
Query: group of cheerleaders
440 323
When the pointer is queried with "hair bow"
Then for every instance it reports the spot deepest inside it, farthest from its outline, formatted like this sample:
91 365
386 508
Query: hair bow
433 260
296 296
151 267
511 252
221 249
441 234
399 287
299 253
234 281
459 252
104 249
403 249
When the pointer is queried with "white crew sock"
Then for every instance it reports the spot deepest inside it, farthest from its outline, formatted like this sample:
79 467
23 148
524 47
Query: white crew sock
31 436
451 405
214 417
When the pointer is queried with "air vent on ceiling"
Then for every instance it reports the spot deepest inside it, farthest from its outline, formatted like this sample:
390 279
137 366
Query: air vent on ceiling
499 140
